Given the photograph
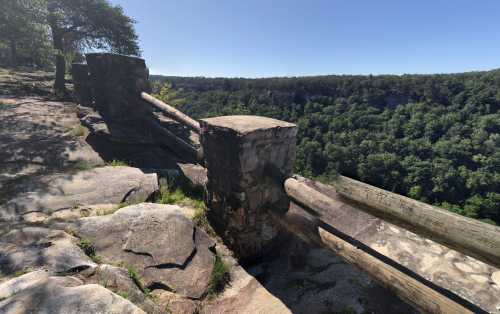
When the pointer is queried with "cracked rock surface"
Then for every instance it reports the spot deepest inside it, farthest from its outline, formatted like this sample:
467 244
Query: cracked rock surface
164 246
35 247
50 294
96 186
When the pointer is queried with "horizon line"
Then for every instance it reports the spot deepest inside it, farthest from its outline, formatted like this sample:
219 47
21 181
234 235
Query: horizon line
151 73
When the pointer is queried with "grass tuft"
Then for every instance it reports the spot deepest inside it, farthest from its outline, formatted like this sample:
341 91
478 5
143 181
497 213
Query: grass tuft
23 271
182 198
219 277
89 250
80 165
123 294
134 275
117 163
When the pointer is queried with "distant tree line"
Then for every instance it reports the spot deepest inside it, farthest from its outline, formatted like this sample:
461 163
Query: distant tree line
434 138
44 33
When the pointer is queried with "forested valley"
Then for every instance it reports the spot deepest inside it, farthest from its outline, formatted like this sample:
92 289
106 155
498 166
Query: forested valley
434 138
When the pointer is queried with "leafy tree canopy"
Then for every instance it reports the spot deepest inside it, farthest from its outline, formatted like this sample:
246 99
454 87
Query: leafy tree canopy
435 138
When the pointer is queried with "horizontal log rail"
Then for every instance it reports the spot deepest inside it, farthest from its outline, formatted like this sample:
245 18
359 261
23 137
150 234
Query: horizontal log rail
175 143
469 236
172 112
411 289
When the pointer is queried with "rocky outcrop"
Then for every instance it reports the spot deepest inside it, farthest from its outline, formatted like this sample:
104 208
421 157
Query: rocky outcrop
33 247
48 294
102 185
117 279
165 247
39 137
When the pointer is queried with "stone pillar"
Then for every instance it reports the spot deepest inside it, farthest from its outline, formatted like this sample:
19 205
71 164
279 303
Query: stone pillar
117 83
81 82
247 158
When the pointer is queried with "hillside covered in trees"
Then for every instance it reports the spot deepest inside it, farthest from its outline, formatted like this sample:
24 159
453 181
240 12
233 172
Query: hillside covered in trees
435 138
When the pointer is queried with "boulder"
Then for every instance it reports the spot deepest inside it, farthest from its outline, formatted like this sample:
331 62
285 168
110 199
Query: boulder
64 295
118 280
96 186
26 281
164 246
176 303
34 247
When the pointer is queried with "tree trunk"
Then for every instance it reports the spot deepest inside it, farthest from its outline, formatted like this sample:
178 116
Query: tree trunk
59 85
13 52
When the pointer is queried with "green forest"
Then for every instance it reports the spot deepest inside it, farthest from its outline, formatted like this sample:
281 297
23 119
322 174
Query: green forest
434 138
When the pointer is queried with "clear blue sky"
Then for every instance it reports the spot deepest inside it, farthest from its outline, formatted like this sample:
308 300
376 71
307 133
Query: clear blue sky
258 38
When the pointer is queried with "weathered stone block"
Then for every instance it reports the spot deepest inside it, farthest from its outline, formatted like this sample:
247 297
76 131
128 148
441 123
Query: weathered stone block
117 83
82 84
247 158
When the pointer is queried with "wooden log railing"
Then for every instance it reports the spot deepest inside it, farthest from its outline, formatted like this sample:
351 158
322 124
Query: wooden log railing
172 112
468 236
169 138
410 289
313 226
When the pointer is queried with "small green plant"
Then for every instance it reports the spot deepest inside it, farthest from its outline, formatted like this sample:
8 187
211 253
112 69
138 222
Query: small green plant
123 294
23 271
132 273
109 211
148 293
81 165
200 218
87 247
219 278
117 163
89 250
70 231
178 197
96 259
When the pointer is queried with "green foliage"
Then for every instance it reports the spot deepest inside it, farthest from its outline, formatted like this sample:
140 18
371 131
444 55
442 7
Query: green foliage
219 277
117 163
92 24
167 94
134 275
435 138
23 271
23 32
87 247
187 198
123 294
89 250
80 165
148 294
178 197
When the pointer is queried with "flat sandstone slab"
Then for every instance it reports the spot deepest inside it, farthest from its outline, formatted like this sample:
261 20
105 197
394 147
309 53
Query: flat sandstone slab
104 185
246 124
